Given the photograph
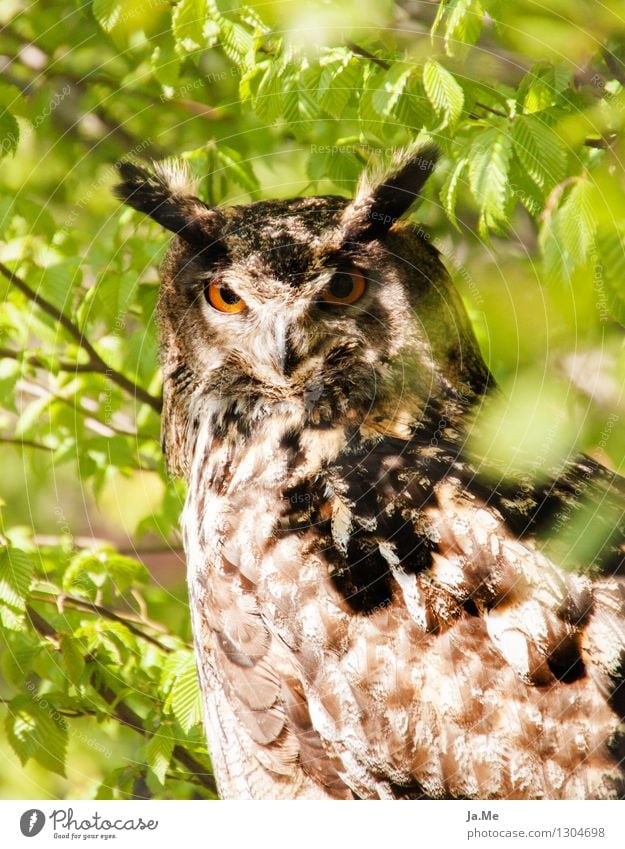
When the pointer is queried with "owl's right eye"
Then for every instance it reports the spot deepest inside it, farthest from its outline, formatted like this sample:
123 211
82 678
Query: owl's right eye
222 298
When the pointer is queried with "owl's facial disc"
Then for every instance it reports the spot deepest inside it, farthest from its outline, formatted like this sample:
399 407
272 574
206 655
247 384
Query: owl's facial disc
296 300
279 331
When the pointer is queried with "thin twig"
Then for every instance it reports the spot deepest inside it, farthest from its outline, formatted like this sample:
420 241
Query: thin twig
601 143
491 109
357 50
79 542
25 443
617 69
100 610
40 362
95 360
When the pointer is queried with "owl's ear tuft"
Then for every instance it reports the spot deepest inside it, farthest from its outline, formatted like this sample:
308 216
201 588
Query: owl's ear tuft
380 203
167 195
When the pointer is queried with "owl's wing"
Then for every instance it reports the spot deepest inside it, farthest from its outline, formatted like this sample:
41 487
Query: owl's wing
261 738
478 666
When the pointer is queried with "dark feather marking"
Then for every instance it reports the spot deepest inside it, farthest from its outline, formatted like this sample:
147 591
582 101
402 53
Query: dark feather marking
565 661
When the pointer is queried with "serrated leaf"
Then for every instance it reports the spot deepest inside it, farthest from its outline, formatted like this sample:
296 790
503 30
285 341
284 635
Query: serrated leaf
449 191
165 59
114 294
92 569
539 150
413 109
57 283
36 730
463 24
73 658
108 13
237 169
17 663
237 42
525 189
268 100
158 755
111 642
180 682
489 161
576 222
385 98
16 572
340 79
192 27
541 86
445 94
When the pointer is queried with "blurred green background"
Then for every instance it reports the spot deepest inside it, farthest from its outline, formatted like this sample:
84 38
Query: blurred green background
527 104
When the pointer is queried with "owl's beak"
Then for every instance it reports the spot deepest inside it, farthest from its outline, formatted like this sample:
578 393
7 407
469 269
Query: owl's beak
283 351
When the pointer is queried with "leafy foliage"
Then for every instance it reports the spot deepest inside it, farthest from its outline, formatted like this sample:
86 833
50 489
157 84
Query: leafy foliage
260 103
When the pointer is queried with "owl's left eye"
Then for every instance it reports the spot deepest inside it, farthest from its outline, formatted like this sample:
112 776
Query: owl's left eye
345 287
222 298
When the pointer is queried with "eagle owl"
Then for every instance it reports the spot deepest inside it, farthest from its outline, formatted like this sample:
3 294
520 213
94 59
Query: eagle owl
372 618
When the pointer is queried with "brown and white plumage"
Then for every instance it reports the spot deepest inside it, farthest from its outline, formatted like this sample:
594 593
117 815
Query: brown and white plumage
372 617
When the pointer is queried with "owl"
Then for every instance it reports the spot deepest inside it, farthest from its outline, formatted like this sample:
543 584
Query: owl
373 617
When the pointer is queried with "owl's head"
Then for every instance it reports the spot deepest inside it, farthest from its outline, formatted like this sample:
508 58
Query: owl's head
321 307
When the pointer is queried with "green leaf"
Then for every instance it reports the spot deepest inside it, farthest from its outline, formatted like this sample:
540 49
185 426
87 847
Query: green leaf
109 641
108 13
113 296
576 222
340 80
445 95
73 658
463 25
541 86
268 100
192 27
392 86
449 191
165 59
609 273
9 133
334 162
16 573
489 160
180 683
237 43
525 189
58 282
237 169
10 373
93 569
539 150
36 730
158 755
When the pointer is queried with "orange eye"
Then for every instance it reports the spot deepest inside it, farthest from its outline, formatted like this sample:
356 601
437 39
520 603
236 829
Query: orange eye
345 287
222 298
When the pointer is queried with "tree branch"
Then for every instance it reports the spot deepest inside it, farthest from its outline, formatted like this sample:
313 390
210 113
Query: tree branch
125 714
130 719
95 360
